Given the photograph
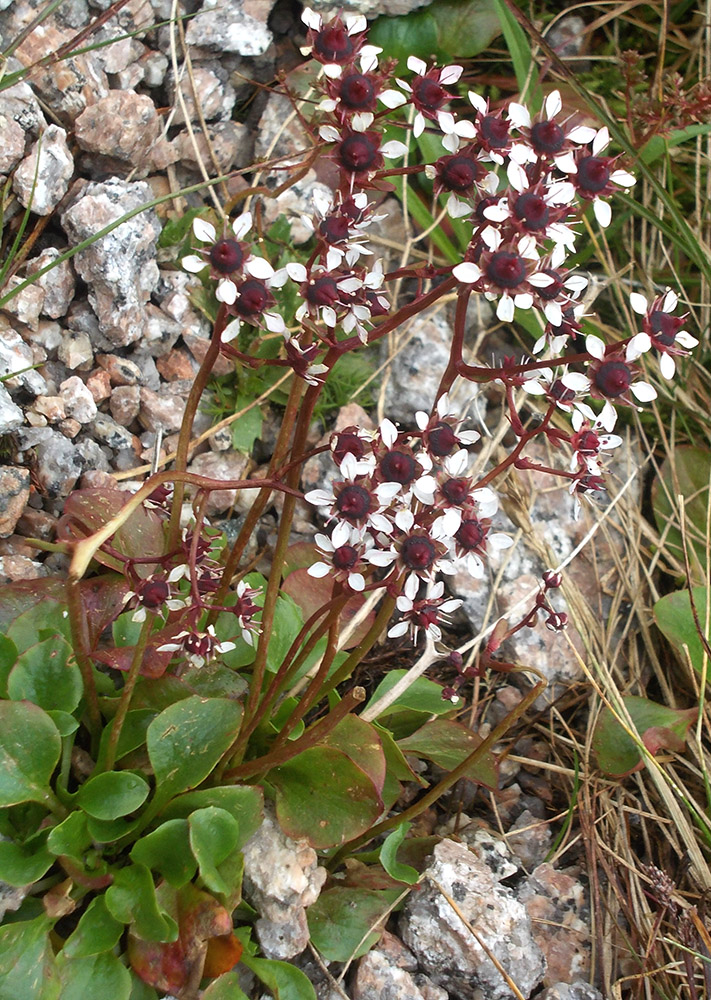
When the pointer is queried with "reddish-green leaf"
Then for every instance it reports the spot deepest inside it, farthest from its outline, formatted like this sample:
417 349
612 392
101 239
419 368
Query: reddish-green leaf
341 921
323 796
447 744
360 741
658 726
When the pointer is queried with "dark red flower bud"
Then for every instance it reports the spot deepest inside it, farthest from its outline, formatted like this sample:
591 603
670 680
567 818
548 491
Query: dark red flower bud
593 174
226 256
441 439
333 43
252 298
456 490
418 552
506 269
347 443
494 130
358 152
357 91
354 503
153 593
547 137
322 291
398 467
613 378
345 557
470 534
428 94
532 210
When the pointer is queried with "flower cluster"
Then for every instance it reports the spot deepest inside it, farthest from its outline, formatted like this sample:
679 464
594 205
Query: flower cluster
404 509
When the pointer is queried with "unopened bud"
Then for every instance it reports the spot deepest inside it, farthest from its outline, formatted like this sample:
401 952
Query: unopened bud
557 621
552 580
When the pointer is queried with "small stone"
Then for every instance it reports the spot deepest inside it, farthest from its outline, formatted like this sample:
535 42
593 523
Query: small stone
120 268
35 419
221 465
20 104
217 95
78 400
51 407
26 304
106 430
162 411
571 991
123 125
446 949
12 144
281 878
91 454
75 350
99 385
176 365
198 348
48 335
14 494
57 284
16 356
42 187
125 403
530 839
154 66
36 524
58 465
221 440
161 331
122 371
227 27
231 143
69 427
14 568
376 976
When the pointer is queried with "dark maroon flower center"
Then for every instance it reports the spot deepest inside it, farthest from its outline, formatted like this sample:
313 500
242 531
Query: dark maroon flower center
333 43
506 269
201 645
428 94
593 174
323 291
252 298
358 152
334 228
456 490
664 327
470 534
418 552
153 593
354 503
561 392
553 290
345 557
357 91
589 442
494 130
532 210
226 256
441 439
427 615
459 172
547 137
348 443
398 467
613 378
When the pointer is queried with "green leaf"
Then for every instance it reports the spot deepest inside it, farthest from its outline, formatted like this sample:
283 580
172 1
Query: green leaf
44 676
66 724
341 919
113 794
47 616
675 620
448 29
659 144
105 831
20 865
27 966
288 620
521 57
225 987
214 835
125 630
284 981
186 741
323 796
388 856
29 750
167 850
8 657
93 976
244 802
132 736
659 727
448 743
96 932
247 428
360 741
689 474
132 900
175 231
70 837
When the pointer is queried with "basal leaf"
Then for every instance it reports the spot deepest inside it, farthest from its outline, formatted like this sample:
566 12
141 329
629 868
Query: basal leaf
101 975
214 835
70 837
360 741
448 743
340 921
244 802
28 969
186 741
113 794
22 865
30 746
131 898
323 796
690 475
675 620
167 850
96 932
388 856
282 979
45 675
448 29
658 726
